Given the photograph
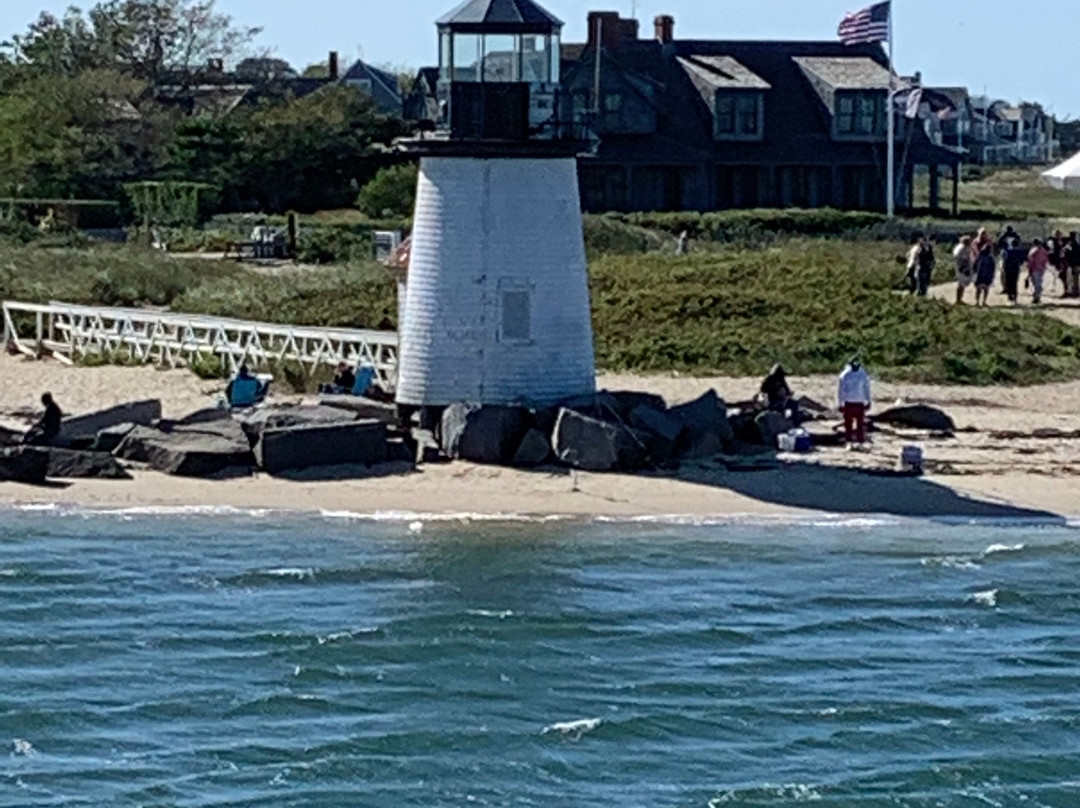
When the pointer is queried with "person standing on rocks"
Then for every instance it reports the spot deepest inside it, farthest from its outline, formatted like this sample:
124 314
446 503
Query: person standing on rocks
855 401
45 431
965 267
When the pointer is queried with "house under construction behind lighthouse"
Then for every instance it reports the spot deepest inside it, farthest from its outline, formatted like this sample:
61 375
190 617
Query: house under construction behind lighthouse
496 303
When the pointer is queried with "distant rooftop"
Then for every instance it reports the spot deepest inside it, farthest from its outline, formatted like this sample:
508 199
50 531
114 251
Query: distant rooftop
722 73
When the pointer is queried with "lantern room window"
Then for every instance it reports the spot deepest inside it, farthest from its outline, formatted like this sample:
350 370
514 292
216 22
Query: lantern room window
531 58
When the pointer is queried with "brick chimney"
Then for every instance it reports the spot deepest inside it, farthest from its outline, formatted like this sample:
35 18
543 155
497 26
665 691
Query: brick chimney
334 71
604 27
665 29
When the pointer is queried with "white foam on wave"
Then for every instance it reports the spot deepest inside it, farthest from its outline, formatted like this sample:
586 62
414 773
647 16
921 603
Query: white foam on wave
951 562
996 549
574 729
498 615
300 573
22 748
989 598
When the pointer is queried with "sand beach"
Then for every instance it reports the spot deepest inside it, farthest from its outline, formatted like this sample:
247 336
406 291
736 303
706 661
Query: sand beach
1016 455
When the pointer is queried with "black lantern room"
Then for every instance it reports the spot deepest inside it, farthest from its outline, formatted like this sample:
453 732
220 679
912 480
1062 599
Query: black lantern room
499 71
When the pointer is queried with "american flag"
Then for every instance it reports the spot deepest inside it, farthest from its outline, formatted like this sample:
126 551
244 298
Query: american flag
869 25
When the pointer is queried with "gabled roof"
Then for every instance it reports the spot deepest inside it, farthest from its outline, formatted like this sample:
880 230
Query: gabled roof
384 87
722 73
845 72
500 16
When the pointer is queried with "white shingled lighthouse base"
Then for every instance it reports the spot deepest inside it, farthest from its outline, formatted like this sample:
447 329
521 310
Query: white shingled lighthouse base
497 300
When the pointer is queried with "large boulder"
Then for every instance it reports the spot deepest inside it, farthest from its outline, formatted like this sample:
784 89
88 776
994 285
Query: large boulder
24 464
210 415
254 422
664 431
626 401
918 416
535 450
594 445
771 425
10 437
69 464
483 434
367 409
82 429
185 452
293 448
708 413
107 440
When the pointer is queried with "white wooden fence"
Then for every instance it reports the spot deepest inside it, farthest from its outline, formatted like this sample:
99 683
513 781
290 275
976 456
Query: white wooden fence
70 332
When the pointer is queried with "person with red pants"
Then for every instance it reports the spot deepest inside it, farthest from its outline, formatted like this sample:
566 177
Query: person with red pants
855 401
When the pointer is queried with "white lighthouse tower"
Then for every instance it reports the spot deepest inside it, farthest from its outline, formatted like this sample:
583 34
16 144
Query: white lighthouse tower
496 307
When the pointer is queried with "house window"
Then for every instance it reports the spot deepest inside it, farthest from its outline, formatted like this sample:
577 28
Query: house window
860 115
612 102
739 115
515 315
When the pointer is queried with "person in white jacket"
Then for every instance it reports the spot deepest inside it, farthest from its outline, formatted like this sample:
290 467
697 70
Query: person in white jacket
855 401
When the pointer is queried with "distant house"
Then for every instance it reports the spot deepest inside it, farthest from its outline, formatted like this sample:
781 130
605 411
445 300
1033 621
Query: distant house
706 125
1004 133
382 86
215 92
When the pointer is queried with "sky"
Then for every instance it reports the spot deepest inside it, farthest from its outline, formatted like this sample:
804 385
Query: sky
1010 50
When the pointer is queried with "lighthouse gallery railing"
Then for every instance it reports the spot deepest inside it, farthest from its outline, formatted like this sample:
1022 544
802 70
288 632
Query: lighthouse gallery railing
70 332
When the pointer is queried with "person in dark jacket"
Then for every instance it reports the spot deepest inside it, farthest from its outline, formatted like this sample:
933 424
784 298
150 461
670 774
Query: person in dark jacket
45 431
1070 260
921 262
1012 263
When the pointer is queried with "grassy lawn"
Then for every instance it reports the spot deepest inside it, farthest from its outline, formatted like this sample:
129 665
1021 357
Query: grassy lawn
807 302
1018 192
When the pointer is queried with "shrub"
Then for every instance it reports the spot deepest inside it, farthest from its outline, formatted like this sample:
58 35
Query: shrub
390 193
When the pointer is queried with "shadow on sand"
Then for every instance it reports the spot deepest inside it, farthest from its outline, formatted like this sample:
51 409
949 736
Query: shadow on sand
852 491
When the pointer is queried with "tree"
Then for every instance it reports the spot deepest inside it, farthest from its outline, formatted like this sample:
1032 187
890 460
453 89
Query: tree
264 69
147 39
78 136
390 193
313 152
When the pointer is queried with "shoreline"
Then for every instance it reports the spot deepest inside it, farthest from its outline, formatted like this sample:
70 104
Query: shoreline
1016 455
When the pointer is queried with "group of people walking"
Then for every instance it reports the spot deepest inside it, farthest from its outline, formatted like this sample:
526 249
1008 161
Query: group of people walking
979 258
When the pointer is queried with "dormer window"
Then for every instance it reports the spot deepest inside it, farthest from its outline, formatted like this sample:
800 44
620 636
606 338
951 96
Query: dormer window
860 114
740 115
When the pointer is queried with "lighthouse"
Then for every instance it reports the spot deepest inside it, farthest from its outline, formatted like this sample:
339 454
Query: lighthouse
496 300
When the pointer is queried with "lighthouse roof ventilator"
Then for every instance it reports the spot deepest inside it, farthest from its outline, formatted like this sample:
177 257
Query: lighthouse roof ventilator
496 301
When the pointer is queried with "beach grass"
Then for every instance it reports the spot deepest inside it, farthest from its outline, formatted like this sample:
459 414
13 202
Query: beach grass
736 308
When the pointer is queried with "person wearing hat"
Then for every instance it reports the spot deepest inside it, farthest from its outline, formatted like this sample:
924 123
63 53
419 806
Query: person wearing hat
854 399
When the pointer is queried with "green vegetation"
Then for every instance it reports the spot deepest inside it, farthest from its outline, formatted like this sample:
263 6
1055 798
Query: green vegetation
391 192
735 309
1015 194
811 304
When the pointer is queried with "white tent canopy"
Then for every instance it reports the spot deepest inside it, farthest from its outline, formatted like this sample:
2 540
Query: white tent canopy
1065 177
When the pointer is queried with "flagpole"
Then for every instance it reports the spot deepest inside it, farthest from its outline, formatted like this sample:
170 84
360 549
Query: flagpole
890 201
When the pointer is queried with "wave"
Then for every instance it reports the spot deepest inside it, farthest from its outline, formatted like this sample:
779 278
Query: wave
416 520
573 729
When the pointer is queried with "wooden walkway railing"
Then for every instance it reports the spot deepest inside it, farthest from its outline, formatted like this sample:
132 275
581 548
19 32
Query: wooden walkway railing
70 332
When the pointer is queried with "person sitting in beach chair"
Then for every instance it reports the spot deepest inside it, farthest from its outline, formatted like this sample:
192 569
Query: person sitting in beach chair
45 431
246 390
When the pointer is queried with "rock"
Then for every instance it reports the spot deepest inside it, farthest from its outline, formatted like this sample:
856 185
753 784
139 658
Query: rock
663 430
108 439
10 437
24 464
918 416
84 428
706 414
487 434
68 464
255 421
399 450
695 444
345 443
209 415
771 425
657 422
594 445
363 408
535 450
188 453
743 428
626 401
426 447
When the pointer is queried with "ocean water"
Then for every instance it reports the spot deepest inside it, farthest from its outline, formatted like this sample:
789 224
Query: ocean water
266 660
